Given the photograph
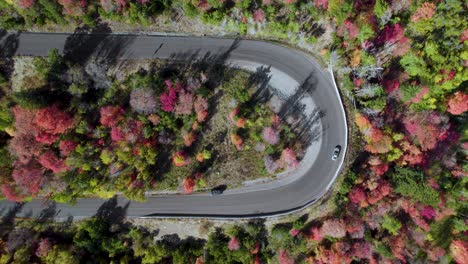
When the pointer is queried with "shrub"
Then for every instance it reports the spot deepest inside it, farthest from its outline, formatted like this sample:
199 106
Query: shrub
180 159
270 135
236 140
270 165
288 157
188 184
204 155
189 138
233 244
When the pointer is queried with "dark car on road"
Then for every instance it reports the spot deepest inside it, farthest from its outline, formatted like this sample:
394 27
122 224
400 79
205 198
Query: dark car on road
336 152
218 190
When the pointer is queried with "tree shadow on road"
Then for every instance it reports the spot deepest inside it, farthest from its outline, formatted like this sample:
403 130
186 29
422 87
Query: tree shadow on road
111 212
8 219
98 42
306 126
260 80
9 43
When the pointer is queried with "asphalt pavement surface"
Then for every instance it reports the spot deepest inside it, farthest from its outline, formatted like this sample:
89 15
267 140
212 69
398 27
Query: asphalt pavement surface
290 69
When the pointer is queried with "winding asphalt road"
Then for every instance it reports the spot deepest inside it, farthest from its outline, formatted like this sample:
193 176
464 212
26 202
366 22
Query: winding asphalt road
289 70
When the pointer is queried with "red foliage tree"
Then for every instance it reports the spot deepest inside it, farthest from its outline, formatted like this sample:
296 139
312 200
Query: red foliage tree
333 228
188 184
28 176
110 115
50 161
294 232
384 187
189 138
236 140
168 99
435 253
117 134
67 147
321 4
275 120
459 250
133 130
233 115
258 16
45 245
180 159
428 212
24 121
424 12
288 158
390 34
412 154
46 138
315 234
358 196
457 103
284 258
241 122
25 3
24 147
362 250
380 169
390 85
351 28
425 128
397 246
11 194
411 209
233 244
73 7
52 120
355 227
